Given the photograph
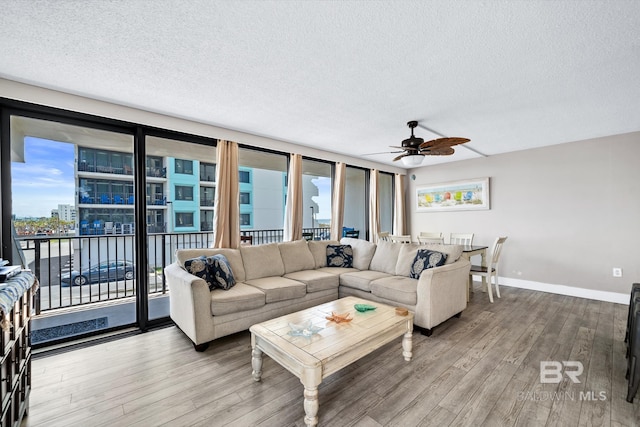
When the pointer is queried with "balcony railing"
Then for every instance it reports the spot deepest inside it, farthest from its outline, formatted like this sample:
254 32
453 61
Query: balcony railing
58 260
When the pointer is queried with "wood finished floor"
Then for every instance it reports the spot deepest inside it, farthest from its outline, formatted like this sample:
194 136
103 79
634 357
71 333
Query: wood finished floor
479 370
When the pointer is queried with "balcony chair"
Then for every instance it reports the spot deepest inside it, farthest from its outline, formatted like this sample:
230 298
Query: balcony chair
307 235
109 228
105 200
130 200
491 270
465 239
97 227
352 233
118 200
84 227
383 235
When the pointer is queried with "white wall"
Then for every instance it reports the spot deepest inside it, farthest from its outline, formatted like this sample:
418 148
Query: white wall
571 212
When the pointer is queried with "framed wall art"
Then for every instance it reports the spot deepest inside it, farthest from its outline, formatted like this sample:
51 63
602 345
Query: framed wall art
467 195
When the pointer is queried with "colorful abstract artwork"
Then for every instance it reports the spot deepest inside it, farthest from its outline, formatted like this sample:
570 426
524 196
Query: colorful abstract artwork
452 196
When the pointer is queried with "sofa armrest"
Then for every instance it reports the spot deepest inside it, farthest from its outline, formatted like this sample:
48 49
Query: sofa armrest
442 293
190 304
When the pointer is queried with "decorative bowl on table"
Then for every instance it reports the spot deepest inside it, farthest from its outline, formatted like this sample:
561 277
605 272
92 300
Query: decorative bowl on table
364 307
339 318
306 329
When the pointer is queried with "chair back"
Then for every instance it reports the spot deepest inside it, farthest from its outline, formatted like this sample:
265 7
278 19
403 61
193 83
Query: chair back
465 239
429 234
496 250
424 240
383 235
400 239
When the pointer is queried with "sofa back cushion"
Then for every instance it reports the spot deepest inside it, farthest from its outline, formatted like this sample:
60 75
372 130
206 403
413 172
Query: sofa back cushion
232 255
262 261
318 249
386 257
363 251
405 258
296 256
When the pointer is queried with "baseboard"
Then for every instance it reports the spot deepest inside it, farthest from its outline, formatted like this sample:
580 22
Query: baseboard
563 290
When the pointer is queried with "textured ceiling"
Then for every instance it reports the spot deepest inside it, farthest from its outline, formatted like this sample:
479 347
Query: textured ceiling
345 76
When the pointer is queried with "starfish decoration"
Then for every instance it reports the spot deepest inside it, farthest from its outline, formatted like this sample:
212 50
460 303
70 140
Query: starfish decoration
339 318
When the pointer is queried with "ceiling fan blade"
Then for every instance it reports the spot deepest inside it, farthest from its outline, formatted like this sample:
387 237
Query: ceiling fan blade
438 151
402 155
444 142
383 152
405 148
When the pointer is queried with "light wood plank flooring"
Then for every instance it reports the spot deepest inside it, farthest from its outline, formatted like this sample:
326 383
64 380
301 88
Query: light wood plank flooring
480 370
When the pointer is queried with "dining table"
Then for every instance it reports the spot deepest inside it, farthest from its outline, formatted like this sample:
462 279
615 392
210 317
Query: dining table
468 251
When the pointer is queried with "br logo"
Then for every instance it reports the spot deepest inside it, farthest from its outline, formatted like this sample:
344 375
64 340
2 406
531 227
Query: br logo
551 371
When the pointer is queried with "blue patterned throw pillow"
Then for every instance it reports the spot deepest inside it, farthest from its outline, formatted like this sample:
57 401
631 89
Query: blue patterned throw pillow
220 271
339 256
426 259
199 267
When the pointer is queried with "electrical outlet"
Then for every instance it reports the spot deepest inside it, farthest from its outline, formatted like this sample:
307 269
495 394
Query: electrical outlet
617 272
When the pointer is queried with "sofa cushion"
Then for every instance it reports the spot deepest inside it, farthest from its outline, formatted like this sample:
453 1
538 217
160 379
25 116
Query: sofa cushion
296 256
339 256
239 298
396 288
405 258
361 279
424 259
337 270
220 271
363 251
315 280
199 267
279 288
385 257
318 249
262 261
232 255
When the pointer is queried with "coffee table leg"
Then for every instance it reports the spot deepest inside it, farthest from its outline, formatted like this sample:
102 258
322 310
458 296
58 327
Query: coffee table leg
311 406
407 346
256 363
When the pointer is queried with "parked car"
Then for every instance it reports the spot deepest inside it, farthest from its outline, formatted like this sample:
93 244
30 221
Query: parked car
104 272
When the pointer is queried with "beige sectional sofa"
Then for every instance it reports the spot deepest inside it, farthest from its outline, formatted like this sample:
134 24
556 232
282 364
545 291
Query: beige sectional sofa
280 278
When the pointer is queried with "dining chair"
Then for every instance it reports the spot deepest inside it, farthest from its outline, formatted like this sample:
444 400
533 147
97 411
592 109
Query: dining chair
425 240
465 239
491 270
429 237
400 239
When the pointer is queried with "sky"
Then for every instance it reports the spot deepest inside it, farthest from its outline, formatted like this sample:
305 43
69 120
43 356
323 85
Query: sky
45 180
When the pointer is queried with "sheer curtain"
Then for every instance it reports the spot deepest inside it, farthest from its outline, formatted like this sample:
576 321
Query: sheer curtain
227 199
293 209
399 211
374 206
337 206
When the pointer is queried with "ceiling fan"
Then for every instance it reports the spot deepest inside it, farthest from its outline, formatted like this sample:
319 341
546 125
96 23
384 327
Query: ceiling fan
414 148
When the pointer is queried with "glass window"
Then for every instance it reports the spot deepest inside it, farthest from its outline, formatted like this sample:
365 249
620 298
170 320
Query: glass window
262 177
184 166
206 220
207 196
245 198
316 194
184 219
385 200
244 176
207 172
355 202
184 192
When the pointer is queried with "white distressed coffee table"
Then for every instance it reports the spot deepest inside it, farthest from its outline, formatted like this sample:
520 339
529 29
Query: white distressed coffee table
337 345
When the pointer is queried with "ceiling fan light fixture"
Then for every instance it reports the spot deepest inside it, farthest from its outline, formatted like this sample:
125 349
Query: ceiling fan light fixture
412 160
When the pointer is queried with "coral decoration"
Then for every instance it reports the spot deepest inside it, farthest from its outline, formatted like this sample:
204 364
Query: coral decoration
340 318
